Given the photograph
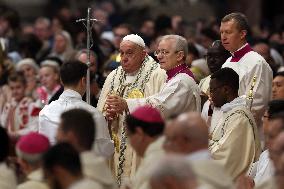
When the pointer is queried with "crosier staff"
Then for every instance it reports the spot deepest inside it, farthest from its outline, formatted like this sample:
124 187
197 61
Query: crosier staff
89 25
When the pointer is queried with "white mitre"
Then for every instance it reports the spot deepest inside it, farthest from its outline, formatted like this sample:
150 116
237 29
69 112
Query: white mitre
135 39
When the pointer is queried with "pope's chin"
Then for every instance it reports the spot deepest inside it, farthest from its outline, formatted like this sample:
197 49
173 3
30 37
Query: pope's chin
125 67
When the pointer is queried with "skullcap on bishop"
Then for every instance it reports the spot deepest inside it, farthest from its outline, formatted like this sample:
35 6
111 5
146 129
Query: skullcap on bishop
33 143
135 39
147 114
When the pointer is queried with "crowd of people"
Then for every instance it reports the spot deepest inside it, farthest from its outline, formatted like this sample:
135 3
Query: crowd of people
169 108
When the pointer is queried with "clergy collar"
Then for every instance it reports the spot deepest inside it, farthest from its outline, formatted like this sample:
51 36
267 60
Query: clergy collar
203 154
238 54
132 73
239 101
70 93
181 68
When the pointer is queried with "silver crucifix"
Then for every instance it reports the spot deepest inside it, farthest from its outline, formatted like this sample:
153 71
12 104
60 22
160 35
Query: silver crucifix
89 22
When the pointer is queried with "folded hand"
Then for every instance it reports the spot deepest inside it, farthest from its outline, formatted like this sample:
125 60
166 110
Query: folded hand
115 105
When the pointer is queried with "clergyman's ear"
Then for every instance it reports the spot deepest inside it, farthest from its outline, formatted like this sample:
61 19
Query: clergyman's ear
84 80
243 34
139 131
180 55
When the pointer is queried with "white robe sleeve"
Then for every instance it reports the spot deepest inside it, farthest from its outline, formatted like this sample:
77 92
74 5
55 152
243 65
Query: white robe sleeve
105 91
47 127
262 88
238 148
178 95
264 169
252 64
103 144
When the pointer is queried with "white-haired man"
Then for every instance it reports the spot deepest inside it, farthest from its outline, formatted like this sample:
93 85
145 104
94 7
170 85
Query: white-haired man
138 76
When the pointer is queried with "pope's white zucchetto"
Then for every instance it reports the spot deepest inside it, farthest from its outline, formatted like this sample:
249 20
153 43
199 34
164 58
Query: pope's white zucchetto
135 39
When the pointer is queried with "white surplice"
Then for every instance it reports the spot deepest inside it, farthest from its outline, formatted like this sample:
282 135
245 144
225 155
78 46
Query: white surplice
7 177
265 168
234 143
250 65
180 94
85 183
208 171
35 179
96 169
49 118
153 152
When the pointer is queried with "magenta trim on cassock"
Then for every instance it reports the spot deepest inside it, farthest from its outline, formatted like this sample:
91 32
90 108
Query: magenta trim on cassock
236 56
182 68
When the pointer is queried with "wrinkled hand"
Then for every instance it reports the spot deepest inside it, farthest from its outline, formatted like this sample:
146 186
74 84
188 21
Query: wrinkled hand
115 105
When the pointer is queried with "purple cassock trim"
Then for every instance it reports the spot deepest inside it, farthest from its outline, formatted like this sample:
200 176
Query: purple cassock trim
182 68
236 56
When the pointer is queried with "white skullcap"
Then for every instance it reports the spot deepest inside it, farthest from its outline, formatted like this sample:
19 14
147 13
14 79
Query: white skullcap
135 39
27 61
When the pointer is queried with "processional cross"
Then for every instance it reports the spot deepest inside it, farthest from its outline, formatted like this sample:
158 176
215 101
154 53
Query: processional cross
88 23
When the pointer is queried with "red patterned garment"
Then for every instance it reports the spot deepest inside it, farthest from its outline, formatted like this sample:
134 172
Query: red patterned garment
20 117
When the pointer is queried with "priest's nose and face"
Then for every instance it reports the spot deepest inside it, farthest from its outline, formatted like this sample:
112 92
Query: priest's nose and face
231 36
216 93
278 87
132 56
167 54
216 56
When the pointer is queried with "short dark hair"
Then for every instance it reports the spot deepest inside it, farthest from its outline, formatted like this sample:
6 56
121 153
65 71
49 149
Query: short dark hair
279 74
12 16
193 50
125 26
4 144
274 107
280 116
71 72
217 45
82 124
17 77
227 76
63 155
151 129
239 18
